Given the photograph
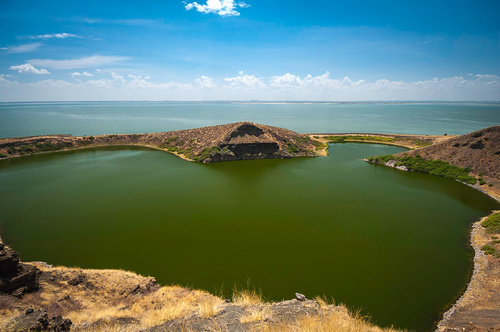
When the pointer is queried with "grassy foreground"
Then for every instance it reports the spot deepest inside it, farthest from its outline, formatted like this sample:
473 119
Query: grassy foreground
115 300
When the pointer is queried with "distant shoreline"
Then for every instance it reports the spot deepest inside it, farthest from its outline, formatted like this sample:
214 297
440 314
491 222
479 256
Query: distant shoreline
268 102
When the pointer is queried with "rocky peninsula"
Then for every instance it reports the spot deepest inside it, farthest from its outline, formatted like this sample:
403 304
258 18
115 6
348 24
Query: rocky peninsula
234 141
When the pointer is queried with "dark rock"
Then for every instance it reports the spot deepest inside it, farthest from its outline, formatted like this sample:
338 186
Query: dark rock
477 145
300 297
16 278
59 324
80 278
8 261
29 311
36 321
25 280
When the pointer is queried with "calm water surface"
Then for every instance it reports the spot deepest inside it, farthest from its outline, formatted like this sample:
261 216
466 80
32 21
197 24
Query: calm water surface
28 119
391 243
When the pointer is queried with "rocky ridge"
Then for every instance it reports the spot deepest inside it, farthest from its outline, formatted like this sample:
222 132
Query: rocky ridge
234 141
479 150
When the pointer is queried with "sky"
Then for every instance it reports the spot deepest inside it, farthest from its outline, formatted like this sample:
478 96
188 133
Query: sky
272 50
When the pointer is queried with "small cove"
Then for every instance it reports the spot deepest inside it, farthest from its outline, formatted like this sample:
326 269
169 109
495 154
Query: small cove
391 243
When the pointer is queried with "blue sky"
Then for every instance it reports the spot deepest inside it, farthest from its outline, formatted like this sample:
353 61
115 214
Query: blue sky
257 49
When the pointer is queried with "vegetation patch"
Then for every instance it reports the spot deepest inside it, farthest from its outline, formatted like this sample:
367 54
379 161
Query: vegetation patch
170 141
207 153
318 145
492 224
49 146
292 148
434 167
3 155
341 139
488 249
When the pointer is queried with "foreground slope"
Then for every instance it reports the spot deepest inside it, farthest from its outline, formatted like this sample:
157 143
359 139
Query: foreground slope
115 300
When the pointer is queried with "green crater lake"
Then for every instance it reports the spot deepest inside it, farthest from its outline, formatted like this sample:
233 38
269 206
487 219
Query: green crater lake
391 243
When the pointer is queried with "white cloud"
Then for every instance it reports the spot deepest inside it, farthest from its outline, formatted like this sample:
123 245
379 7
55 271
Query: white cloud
87 62
245 81
24 48
63 35
28 68
76 74
205 82
289 86
220 7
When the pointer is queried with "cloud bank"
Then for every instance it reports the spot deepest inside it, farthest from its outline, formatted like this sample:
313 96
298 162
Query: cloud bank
220 7
286 87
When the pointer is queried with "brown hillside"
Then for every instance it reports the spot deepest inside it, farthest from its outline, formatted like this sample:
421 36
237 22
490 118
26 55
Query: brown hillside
234 141
479 150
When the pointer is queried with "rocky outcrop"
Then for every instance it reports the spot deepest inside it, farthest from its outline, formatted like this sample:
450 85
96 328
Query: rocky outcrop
38 321
234 141
16 278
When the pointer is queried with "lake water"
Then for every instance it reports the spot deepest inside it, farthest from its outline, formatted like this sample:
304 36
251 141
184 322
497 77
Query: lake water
391 243
27 119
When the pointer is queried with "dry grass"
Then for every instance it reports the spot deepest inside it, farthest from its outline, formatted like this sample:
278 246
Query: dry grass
105 298
246 297
256 314
114 300
209 306
339 320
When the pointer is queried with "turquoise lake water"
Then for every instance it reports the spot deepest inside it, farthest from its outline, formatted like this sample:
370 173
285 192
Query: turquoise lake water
27 119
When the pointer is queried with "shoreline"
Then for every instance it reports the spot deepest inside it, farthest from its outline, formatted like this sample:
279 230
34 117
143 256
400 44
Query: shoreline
480 272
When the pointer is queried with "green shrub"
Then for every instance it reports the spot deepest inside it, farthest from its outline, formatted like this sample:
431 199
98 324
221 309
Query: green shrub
318 145
49 146
170 140
3 155
302 139
492 223
490 185
91 138
488 250
207 153
25 149
292 148
434 167
341 139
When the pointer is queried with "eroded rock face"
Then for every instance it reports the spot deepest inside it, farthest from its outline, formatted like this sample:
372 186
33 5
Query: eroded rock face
39 321
16 278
